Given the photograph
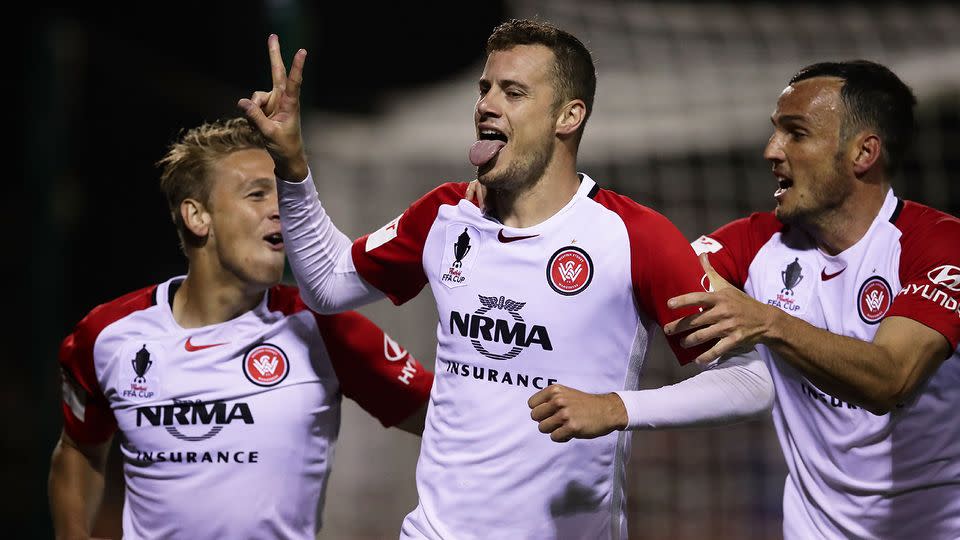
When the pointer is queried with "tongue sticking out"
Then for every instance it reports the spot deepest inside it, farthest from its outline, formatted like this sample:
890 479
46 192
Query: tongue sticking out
484 150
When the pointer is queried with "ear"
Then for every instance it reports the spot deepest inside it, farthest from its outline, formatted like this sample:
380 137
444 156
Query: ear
867 152
195 217
571 117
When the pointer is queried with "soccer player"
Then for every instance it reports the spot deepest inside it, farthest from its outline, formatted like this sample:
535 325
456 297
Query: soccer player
547 303
223 386
853 297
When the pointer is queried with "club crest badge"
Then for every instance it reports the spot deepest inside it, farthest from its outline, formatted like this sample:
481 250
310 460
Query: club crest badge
569 271
459 252
874 299
266 365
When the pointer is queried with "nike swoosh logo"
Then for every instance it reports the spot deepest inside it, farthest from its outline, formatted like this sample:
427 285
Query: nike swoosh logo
827 277
507 239
190 347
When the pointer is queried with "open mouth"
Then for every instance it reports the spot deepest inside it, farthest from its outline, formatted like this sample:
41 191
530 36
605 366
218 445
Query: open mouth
783 184
275 240
487 147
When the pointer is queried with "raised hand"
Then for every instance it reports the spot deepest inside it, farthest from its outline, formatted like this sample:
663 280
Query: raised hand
276 114
727 314
567 413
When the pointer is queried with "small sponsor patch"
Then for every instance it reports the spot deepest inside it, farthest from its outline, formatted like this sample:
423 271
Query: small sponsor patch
705 244
462 243
569 271
266 365
392 350
874 299
383 235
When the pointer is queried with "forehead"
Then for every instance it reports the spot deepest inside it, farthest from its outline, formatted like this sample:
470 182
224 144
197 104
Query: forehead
238 169
530 64
815 99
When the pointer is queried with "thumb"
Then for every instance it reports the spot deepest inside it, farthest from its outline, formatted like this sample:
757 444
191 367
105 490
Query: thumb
254 114
716 281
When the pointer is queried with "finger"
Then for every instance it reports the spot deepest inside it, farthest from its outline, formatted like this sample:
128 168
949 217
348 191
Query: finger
543 411
561 435
295 80
550 424
260 99
702 336
540 397
701 299
255 115
722 347
278 72
716 281
471 190
697 320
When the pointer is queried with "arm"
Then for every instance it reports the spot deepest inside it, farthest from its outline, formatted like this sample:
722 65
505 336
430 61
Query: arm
733 390
413 424
319 253
76 484
876 375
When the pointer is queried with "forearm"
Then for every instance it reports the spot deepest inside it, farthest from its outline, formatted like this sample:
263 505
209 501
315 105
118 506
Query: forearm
75 490
848 368
319 253
734 390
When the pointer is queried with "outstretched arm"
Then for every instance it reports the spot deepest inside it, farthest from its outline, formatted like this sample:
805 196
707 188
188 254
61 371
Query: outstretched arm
319 253
734 390
876 375
76 486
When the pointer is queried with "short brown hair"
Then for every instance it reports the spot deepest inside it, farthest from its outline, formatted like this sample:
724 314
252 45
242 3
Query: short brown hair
187 163
574 74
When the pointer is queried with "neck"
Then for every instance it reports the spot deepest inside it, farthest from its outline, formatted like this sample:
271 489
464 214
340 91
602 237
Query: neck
844 226
203 299
538 201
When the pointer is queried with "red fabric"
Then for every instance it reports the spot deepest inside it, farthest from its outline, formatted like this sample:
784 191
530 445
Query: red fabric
76 361
741 240
929 246
390 389
396 267
662 264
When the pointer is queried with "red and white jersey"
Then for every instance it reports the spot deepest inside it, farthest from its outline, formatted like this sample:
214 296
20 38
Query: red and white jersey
853 474
227 431
572 300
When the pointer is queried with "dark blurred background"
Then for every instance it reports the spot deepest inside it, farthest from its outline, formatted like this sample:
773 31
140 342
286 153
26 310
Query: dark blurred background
684 96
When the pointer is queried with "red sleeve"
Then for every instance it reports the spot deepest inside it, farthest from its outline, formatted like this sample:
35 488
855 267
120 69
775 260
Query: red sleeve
373 370
929 270
733 246
391 259
662 264
87 417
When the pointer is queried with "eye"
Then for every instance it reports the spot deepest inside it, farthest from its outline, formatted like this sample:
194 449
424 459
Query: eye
258 194
797 134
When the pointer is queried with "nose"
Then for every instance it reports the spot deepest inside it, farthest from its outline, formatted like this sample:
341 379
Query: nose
487 107
774 150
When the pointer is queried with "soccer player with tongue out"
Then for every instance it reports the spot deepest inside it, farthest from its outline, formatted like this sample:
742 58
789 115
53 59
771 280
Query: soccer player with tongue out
547 302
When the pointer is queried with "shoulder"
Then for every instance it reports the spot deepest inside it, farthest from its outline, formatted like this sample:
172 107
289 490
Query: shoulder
638 219
446 193
923 223
758 225
110 312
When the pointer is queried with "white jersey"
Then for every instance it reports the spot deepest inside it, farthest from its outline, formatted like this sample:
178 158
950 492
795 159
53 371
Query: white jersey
572 300
853 474
227 431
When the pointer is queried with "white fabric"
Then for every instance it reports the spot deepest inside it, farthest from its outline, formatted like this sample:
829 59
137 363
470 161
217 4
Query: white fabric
319 253
736 389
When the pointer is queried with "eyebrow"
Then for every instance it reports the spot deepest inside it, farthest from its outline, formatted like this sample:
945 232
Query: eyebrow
261 182
504 83
788 119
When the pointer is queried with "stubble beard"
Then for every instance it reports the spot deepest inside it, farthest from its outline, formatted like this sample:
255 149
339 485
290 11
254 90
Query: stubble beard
828 194
521 175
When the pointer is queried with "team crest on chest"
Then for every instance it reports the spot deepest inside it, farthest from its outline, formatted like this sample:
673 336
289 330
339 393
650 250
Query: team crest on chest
569 271
460 247
266 365
874 299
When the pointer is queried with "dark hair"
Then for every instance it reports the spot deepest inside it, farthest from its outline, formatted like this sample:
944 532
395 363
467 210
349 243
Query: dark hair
574 74
874 97
185 168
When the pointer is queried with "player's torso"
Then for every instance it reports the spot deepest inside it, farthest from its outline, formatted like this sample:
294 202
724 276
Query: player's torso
520 309
853 468
235 418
